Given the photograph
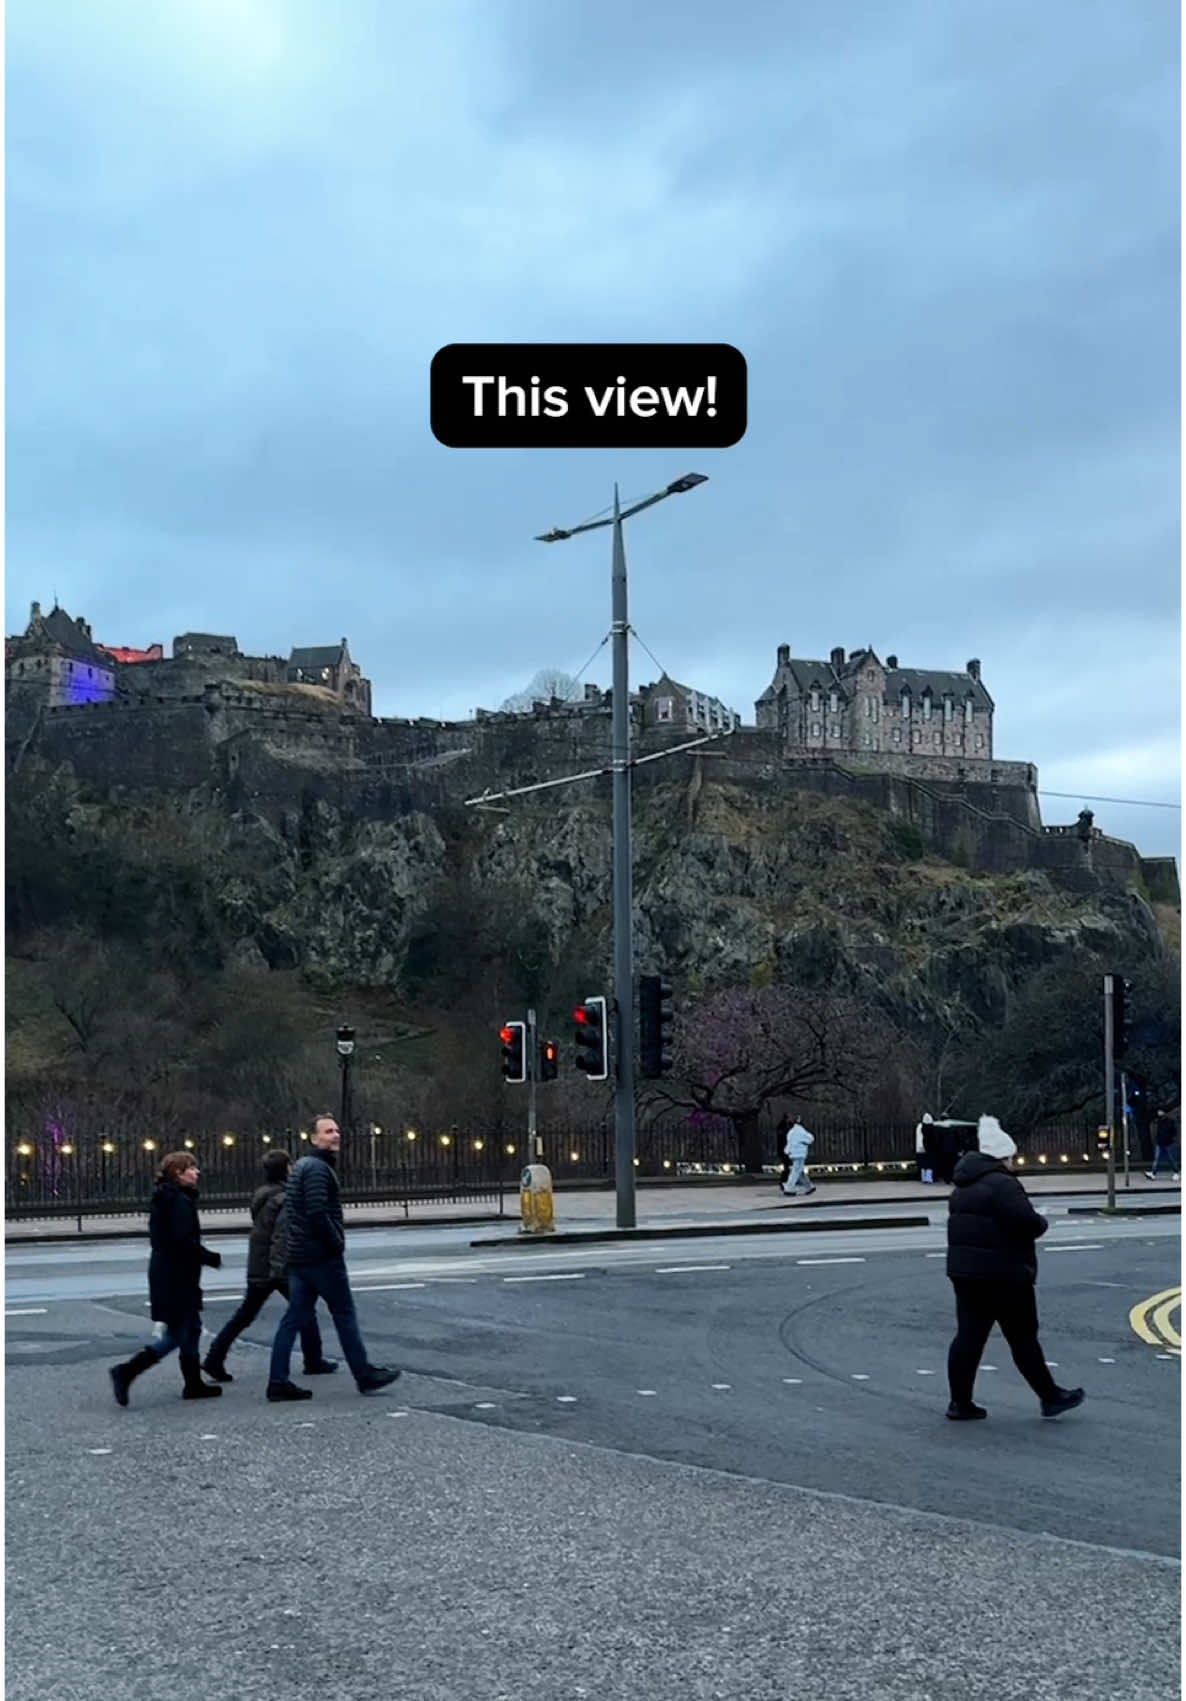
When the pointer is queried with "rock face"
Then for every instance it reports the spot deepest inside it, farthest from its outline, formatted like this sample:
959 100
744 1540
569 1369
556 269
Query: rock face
733 886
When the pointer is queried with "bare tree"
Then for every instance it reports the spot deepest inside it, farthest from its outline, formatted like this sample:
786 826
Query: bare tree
550 684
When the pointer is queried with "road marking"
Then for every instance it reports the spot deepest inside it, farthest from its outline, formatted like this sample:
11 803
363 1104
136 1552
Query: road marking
566 1399
722 1387
924 1373
860 1376
306 1423
679 1269
30 1311
1077 1246
207 1438
794 1380
1151 1320
1052 1364
483 1405
829 1260
98 1450
390 1414
647 1393
561 1276
988 1367
391 1287
934 1254
1107 1361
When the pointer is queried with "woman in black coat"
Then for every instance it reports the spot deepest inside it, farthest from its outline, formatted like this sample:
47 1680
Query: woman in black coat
992 1263
174 1280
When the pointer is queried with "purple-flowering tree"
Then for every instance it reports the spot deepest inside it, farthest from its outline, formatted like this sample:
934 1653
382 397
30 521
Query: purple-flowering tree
739 1050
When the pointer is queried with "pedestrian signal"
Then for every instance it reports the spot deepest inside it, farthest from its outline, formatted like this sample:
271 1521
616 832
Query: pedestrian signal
655 1016
549 1060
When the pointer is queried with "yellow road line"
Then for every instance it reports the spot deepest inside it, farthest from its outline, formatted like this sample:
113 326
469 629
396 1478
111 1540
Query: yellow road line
1151 1319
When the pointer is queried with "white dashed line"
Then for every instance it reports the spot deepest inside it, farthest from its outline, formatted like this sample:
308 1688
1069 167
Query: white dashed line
1107 1361
793 1380
988 1367
1077 1246
924 1373
566 1399
934 1254
647 1393
1170 1356
98 1450
560 1276
30 1311
397 1414
859 1376
722 1387
391 1287
485 1405
306 1423
829 1260
207 1438
682 1269
1052 1364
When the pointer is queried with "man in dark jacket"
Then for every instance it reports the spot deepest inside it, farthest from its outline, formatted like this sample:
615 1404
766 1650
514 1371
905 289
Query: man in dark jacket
992 1261
316 1234
267 1273
1165 1145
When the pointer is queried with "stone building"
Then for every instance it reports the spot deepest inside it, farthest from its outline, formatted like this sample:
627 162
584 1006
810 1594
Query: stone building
667 703
332 667
57 662
857 704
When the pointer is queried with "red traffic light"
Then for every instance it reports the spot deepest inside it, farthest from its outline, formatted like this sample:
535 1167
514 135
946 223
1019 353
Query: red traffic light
506 1035
580 1014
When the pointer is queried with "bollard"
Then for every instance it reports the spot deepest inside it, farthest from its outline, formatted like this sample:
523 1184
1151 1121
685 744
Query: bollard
535 1200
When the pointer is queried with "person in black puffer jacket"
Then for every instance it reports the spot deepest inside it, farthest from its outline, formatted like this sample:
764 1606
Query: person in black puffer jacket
992 1263
174 1280
316 1234
267 1273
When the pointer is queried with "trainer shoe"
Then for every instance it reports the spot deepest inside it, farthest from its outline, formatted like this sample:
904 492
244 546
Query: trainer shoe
959 1412
376 1376
288 1391
1065 1401
323 1367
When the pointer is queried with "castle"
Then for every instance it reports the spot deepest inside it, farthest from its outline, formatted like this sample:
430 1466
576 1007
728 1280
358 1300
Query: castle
281 735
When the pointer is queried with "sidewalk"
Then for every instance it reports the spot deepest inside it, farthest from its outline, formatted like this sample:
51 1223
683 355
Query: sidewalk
659 1204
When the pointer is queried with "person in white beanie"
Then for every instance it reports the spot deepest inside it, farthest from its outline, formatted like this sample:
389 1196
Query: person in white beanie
797 1143
924 1136
992 1263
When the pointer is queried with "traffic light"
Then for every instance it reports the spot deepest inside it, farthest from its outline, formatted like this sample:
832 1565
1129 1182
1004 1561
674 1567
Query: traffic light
514 1050
549 1060
654 1026
592 1039
1121 1015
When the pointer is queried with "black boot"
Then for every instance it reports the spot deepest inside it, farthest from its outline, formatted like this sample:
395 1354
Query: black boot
123 1375
376 1376
213 1366
195 1388
1065 1400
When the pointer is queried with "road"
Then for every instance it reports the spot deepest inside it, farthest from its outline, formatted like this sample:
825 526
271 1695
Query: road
713 1440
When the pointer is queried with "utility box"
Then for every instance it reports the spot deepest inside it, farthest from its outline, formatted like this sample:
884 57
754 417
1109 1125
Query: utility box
535 1200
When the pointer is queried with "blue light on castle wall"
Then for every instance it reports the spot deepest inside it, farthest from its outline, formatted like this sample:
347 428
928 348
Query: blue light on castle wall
76 688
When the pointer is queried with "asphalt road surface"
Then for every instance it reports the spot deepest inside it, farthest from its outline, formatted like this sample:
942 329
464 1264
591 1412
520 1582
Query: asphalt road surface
710 1467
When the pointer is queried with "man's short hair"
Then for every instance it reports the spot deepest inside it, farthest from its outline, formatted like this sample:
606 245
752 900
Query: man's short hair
323 1116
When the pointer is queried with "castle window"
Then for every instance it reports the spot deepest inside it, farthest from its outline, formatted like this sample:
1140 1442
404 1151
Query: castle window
926 707
815 729
948 709
969 710
979 742
833 701
814 700
897 735
905 703
937 740
835 729
663 709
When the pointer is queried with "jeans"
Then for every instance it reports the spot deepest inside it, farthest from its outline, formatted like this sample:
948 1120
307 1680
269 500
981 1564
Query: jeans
980 1304
1171 1156
180 1337
798 1165
254 1300
307 1283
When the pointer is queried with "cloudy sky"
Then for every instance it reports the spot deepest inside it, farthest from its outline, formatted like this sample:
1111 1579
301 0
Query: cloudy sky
944 236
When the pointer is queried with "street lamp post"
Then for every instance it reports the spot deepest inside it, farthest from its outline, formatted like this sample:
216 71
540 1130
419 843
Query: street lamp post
623 901
345 1053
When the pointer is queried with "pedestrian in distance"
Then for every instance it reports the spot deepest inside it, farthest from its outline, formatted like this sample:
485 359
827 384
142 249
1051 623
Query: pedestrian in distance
316 1235
992 1263
924 1142
1165 1145
174 1280
267 1273
798 1142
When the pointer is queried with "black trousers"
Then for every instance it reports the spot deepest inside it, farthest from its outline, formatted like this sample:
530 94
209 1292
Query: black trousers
249 1309
1014 1306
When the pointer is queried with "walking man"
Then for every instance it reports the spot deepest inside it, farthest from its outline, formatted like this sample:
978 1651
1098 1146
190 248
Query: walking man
1165 1145
316 1235
797 1144
267 1273
992 1262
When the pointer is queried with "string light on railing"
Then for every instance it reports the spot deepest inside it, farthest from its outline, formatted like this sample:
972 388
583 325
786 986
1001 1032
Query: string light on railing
1042 1158
478 1145
510 1151
574 1157
228 1139
150 1145
411 1134
1063 1159
267 1139
446 1140
67 1150
666 1163
24 1151
108 1147
188 1144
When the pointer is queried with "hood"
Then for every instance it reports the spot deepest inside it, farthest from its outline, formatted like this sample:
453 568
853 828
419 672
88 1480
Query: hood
973 1165
264 1192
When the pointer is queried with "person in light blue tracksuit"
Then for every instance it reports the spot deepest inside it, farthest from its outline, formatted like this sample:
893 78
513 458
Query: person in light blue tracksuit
798 1142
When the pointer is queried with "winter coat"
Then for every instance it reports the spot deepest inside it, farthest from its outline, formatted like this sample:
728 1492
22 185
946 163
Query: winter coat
177 1255
266 1259
798 1140
991 1225
1166 1133
313 1212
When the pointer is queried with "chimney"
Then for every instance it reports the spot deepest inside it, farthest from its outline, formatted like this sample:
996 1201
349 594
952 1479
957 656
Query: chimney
784 655
891 661
592 693
974 667
35 611
838 657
